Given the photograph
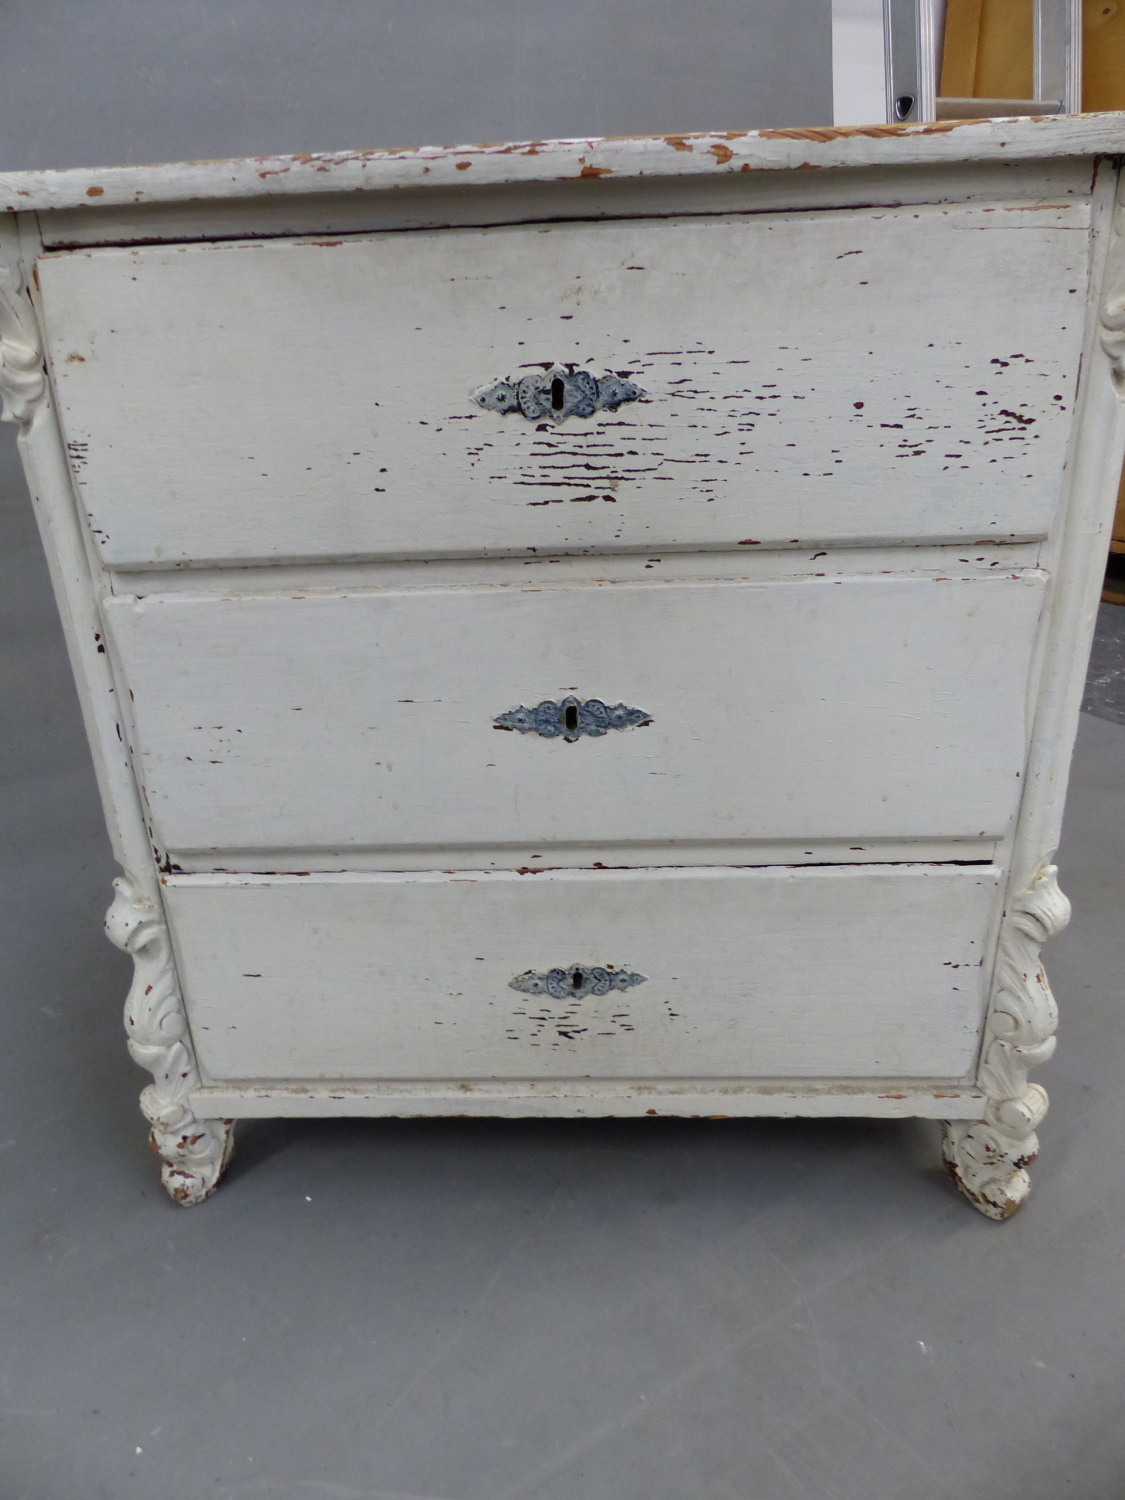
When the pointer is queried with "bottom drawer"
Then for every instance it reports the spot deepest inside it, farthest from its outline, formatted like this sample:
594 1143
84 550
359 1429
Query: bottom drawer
832 973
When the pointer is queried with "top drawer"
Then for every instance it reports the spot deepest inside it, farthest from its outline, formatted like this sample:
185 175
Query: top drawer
845 377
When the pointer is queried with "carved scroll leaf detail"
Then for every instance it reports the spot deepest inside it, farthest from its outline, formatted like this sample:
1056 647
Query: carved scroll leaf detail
558 392
576 981
988 1159
195 1152
22 380
570 718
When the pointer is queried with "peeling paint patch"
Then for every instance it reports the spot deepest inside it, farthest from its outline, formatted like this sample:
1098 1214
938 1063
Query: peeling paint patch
871 132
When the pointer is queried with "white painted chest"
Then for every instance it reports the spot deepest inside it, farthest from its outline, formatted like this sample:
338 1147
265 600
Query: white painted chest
582 628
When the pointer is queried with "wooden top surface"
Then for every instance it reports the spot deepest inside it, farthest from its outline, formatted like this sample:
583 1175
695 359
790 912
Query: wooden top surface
617 158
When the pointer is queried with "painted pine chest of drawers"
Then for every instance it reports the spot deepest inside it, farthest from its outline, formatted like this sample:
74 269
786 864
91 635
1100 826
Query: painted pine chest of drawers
582 628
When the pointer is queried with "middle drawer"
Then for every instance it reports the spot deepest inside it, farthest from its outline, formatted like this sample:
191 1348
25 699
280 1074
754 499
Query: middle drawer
805 709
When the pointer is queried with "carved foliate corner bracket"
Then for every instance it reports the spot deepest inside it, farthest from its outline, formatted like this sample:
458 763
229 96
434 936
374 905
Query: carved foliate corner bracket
23 382
195 1152
988 1158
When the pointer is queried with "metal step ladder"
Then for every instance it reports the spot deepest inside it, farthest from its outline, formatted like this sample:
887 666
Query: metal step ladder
913 37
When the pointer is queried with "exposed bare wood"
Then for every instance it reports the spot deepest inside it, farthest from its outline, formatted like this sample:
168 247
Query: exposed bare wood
674 156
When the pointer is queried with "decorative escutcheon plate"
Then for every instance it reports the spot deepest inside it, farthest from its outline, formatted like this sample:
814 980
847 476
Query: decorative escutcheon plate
576 981
558 392
571 718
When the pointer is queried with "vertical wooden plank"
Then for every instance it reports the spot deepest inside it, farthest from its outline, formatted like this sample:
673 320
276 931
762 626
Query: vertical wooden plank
1005 56
962 42
1103 55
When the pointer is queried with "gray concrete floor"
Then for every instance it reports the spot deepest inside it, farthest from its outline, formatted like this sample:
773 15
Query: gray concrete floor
526 1311
1105 679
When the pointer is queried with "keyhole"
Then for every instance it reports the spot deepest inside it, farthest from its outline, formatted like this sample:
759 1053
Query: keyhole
570 717
903 105
558 392
576 980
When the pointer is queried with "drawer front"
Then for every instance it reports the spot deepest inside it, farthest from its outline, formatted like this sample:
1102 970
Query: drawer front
854 973
870 708
315 399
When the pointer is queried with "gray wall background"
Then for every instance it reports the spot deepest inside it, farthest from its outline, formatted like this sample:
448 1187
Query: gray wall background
103 82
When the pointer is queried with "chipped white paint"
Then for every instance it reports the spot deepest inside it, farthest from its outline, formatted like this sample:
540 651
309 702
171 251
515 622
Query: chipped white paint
853 973
583 1098
798 392
273 705
194 1151
988 1159
880 708
674 157
994 182
28 402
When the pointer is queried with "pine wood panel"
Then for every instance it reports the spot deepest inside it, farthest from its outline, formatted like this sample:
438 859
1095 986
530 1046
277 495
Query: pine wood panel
1103 55
989 49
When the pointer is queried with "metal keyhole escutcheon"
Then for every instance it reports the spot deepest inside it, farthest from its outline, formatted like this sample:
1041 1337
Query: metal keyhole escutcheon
559 391
576 981
571 719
